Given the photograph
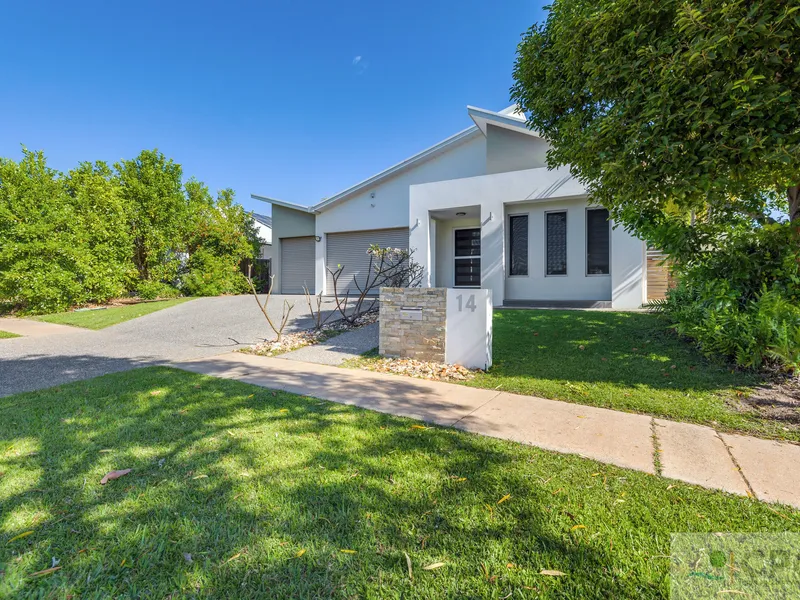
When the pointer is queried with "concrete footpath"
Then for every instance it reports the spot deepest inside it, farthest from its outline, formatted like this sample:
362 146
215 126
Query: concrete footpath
31 328
692 453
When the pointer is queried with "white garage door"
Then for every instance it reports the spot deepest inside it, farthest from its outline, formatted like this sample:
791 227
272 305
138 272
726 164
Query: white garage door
297 264
350 250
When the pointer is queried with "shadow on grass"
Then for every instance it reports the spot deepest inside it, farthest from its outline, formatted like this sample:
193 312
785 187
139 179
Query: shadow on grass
241 492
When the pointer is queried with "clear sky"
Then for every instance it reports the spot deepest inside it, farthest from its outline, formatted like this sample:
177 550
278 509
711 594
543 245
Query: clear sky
294 100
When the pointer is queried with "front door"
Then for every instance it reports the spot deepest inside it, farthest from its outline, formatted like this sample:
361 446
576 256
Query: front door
467 253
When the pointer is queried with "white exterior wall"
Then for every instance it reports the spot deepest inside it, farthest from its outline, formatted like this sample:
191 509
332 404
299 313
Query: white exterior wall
628 268
499 195
575 285
267 251
389 207
508 150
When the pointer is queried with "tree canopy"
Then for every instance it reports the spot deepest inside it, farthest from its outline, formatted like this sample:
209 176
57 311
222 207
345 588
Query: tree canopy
99 232
669 109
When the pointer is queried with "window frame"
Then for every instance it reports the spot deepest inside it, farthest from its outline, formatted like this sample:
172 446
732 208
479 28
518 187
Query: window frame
586 244
455 258
566 243
527 245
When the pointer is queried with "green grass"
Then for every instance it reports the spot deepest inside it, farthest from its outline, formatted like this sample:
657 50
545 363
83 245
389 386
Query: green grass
264 490
629 361
6 335
100 319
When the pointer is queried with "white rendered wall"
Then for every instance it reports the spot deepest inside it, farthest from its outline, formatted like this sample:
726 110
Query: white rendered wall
491 192
508 150
389 207
468 328
627 270
576 284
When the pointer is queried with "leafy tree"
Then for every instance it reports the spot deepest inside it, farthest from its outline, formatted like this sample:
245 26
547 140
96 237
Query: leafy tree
97 233
151 187
220 235
37 253
681 116
100 219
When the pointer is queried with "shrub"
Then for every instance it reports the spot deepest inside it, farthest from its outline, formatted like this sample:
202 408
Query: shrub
212 275
97 233
743 300
151 290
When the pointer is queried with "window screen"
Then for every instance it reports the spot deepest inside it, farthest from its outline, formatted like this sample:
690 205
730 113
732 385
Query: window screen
557 243
597 242
467 258
468 272
468 242
518 246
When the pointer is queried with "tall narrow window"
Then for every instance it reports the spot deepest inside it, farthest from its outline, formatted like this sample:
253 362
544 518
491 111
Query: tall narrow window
556 243
518 245
597 242
467 258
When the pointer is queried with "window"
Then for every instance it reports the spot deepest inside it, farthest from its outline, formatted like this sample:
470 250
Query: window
518 245
556 243
597 242
467 258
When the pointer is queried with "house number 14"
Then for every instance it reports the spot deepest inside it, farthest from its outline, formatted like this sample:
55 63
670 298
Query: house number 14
470 303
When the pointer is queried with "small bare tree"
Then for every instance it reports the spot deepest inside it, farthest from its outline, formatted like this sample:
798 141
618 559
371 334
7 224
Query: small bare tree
316 312
287 306
388 267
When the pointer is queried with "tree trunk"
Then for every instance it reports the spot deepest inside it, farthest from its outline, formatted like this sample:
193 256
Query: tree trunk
794 204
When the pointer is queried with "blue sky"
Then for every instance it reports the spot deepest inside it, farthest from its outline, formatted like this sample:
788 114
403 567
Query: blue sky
295 100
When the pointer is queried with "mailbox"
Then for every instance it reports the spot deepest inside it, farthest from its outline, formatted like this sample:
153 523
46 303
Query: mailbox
411 313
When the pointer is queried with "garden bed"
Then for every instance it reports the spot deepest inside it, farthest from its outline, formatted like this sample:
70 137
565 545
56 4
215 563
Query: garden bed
290 342
420 369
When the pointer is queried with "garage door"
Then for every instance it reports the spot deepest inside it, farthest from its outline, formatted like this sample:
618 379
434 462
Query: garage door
297 264
350 250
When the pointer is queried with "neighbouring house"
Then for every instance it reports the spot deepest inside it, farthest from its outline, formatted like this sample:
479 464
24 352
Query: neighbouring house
263 225
262 266
480 209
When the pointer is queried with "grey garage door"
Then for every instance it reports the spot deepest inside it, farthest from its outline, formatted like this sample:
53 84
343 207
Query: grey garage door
350 250
297 264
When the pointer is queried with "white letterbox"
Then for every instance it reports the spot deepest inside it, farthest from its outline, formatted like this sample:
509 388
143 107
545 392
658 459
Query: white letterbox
468 328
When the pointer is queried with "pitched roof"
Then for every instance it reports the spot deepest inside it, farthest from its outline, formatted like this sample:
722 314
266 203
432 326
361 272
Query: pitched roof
263 219
506 117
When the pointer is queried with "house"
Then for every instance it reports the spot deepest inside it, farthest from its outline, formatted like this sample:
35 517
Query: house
480 209
261 268
263 225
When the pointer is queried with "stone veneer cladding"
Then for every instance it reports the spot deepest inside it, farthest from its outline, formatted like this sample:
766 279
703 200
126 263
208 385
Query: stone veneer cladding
423 340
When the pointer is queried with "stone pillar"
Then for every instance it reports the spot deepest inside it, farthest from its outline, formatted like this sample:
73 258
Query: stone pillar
419 330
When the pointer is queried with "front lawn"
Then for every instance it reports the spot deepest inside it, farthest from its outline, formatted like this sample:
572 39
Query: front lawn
7 334
624 361
242 492
102 318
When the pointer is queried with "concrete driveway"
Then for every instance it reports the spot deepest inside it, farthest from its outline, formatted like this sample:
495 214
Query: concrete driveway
195 329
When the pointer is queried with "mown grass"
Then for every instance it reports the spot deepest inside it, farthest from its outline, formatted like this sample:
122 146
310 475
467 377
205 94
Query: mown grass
623 361
7 334
242 492
100 319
